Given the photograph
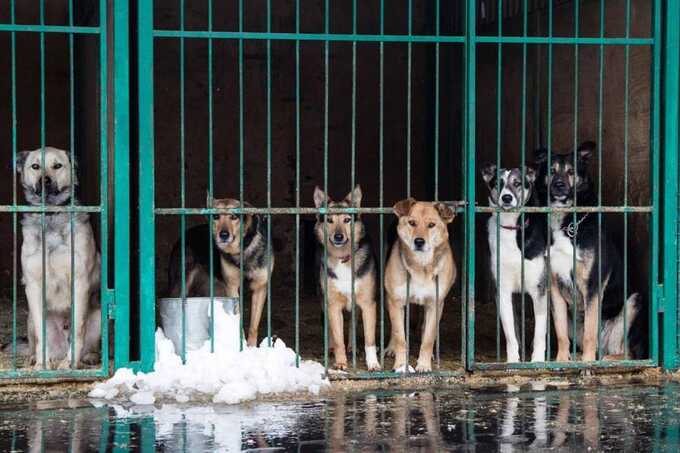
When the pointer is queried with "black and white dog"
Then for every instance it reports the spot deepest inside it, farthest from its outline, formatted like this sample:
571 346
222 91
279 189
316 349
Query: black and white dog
595 275
514 242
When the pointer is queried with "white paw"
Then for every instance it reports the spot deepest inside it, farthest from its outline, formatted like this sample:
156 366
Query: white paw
402 369
372 359
423 367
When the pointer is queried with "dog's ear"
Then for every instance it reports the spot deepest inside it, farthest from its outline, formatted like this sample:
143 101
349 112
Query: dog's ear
530 174
354 197
403 207
489 172
20 160
540 156
320 197
585 151
445 212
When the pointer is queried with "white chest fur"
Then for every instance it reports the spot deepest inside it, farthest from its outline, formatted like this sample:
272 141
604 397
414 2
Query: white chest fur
506 256
562 251
420 290
342 282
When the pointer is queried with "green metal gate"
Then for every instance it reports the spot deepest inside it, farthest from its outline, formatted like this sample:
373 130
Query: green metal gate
661 211
77 27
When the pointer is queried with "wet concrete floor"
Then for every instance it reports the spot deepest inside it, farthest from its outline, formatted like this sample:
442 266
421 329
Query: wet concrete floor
535 417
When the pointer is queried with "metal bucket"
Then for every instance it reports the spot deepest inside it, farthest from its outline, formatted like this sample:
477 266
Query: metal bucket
197 318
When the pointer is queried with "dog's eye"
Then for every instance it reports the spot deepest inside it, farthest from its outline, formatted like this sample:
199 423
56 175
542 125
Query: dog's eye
57 166
35 167
233 217
517 184
430 225
329 219
412 223
347 219
570 172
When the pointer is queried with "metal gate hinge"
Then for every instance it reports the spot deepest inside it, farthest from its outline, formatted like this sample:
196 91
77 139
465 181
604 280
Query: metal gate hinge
110 301
660 299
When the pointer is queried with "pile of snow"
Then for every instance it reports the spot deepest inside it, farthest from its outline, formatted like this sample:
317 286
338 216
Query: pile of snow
225 376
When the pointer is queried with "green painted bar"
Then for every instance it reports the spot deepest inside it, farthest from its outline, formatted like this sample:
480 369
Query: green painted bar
48 209
297 186
381 178
575 144
330 37
15 270
670 175
600 103
352 183
499 132
326 21
597 364
121 184
211 119
147 228
21 28
241 146
182 187
471 177
269 173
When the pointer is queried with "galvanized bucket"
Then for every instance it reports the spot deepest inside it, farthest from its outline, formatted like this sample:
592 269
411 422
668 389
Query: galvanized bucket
197 318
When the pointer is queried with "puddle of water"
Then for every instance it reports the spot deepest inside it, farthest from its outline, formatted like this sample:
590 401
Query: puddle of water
504 419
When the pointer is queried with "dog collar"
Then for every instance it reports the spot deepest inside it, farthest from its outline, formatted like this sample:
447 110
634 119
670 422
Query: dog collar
344 259
516 227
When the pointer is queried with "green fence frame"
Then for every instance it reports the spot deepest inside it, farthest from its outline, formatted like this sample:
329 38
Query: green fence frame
663 152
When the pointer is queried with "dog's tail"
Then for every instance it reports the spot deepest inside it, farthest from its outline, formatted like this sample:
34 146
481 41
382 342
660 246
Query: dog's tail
613 330
22 347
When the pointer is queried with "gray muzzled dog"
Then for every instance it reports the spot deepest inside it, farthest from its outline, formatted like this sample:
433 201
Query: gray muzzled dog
56 184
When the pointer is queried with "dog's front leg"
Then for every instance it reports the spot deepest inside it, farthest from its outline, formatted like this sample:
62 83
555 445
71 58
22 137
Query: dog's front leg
369 321
35 309
590 330
540 301
561 321
256 306
398 334
508 322
336 330
424 363
81 302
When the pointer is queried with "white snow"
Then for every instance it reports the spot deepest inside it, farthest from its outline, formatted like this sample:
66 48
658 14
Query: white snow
225 376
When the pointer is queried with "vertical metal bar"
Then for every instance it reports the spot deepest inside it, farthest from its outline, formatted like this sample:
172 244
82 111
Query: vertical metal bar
147 224
625 180
241 183
72 263
42 193
182 186
600 114
574 302
15 249
436 159
523 171
470 103
269 174
297 185
122 185
655 171
499 132
325 178
104 176
353 180
211 182
670 212
408 102
548 165
381 181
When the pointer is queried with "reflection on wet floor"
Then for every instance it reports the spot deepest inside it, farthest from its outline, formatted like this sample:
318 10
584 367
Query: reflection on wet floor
505 419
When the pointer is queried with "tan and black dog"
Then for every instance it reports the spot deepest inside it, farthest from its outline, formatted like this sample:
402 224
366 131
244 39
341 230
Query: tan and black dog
421 258
225 230
349 268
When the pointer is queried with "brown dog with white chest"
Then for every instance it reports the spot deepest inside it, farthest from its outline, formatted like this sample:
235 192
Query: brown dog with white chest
421 258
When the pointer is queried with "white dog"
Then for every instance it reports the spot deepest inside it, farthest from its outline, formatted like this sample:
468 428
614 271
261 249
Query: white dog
54 301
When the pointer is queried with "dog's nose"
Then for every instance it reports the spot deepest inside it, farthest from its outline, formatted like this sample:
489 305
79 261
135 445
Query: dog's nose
507 198
558 184
338 237
224 235
419 242
47 180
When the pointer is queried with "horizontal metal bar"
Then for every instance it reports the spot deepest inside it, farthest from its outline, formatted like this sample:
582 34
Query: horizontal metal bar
350 37
48 209
565 40
563 365
393 374
51 374
570 210
49 29
292 210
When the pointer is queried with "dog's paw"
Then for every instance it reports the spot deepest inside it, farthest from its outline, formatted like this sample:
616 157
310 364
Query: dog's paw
90 359
563 357
64 364
403 368
423 367
341 366
373 366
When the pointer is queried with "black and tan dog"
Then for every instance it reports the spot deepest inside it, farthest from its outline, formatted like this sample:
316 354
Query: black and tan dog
421 258
349 269
226 233
595 275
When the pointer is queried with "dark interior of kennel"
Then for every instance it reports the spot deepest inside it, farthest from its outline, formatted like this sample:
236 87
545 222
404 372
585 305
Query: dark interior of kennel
449 175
